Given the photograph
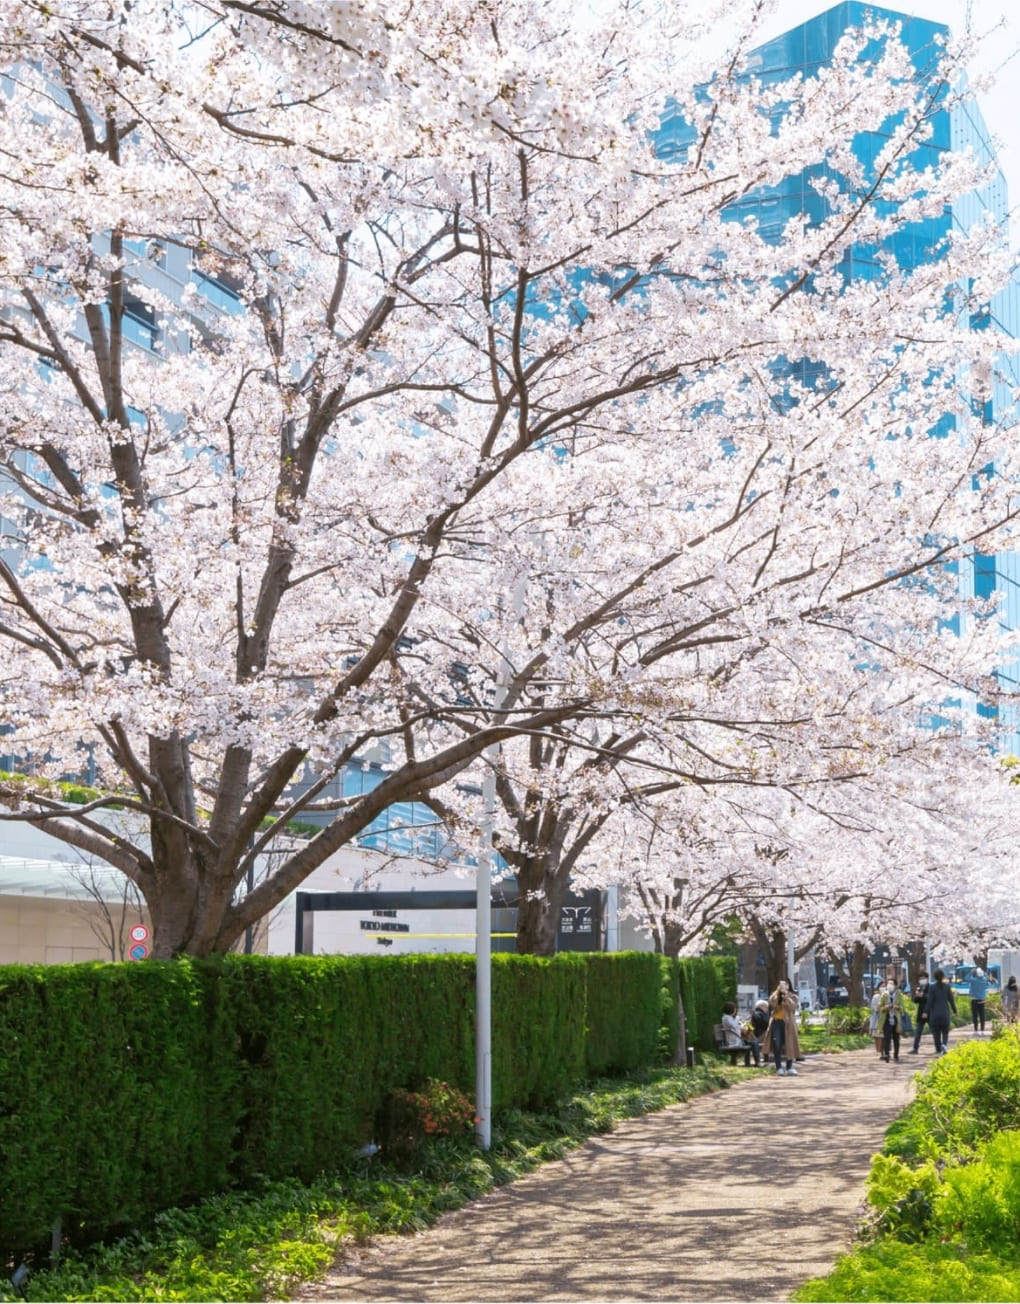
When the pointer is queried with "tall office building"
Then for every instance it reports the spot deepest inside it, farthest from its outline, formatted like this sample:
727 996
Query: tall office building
804 50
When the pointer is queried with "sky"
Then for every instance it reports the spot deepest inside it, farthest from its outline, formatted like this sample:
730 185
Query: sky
1000 106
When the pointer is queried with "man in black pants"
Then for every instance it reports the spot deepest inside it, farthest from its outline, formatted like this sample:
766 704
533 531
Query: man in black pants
920 995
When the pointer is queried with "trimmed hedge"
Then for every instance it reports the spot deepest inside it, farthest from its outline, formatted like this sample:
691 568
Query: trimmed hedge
128 1088
112 1093
707 982
624 1012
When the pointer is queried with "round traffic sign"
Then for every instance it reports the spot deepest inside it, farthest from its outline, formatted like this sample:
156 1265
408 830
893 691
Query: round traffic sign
139 933
139 951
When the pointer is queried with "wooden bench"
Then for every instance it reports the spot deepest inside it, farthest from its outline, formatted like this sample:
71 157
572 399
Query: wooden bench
731 1051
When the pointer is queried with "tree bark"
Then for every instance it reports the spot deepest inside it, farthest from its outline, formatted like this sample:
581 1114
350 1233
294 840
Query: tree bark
542 891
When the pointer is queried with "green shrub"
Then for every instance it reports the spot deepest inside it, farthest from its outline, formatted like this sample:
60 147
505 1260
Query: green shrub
980 1201
843 1020
965 1097
707 982
891 1270
623 1013
947 1213
903 1197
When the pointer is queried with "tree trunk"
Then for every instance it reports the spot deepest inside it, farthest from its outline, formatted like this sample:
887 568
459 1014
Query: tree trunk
772 944
542 889
681 1042
673 938
855 978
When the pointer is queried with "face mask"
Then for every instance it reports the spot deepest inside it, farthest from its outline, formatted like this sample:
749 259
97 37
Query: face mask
889 987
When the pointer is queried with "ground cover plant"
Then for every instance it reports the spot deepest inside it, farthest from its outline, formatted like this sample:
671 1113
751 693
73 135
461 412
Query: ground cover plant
944 1194
262 1242
818 1039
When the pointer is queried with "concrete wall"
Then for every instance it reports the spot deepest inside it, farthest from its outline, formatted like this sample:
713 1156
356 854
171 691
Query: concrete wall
51 930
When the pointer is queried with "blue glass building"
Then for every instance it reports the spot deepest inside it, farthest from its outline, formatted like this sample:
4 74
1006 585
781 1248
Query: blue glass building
805 49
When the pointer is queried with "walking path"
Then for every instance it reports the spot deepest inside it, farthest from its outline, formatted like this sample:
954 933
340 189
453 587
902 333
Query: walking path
739 1195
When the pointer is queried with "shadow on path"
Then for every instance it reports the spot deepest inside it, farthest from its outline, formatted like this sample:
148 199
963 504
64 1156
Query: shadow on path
739 1195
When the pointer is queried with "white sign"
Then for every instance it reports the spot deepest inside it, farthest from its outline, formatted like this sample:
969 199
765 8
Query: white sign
139 933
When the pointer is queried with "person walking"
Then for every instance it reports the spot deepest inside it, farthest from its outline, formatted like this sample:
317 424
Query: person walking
781 1035
940 1004
978 993
920 997
891 1008
1010 1000
874 1029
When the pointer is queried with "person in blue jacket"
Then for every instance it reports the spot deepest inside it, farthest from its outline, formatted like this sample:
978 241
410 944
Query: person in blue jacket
978 992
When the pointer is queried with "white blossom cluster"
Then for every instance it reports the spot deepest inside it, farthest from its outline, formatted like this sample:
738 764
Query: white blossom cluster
504 442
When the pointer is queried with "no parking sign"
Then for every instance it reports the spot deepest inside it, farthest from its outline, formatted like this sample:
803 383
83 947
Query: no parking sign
139 935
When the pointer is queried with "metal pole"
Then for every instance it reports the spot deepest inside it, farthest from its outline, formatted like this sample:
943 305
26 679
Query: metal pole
483 960
249 932
483 909
613 919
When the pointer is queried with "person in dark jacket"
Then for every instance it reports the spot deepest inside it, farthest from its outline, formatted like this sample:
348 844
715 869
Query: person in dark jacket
920 997
940 1004
760 1021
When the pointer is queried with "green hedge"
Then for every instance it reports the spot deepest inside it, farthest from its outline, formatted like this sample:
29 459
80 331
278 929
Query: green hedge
624 1011
707 982
112 1093
128 1088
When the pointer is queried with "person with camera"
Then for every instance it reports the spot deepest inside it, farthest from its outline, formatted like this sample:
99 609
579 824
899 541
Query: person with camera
781 1037
891 1009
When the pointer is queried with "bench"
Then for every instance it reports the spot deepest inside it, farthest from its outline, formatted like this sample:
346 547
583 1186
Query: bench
731 1051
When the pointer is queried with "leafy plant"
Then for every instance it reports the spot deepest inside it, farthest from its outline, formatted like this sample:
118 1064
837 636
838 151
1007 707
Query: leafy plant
409 1118
848 1019
902 1196
891 1270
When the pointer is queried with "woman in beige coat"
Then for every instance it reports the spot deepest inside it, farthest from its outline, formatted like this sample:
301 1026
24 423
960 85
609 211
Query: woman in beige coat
781 1035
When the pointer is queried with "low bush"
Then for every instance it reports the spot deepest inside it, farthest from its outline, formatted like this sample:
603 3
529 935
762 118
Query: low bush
409 1118
891 1270
846 1020
946 1190
964 1098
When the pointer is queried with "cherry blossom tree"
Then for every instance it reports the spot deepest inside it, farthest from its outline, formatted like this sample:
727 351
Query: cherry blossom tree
473 415
914 850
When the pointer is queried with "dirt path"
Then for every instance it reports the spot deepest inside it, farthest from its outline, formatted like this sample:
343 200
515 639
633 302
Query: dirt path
740 1195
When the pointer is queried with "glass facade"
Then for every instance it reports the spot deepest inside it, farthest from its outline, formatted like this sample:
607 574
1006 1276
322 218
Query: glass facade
803 50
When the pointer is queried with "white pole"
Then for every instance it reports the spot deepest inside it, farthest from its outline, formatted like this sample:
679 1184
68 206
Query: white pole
483 961
613 919
791 955
483 911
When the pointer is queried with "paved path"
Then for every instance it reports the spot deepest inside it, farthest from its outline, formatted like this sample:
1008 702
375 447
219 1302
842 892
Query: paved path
739 1195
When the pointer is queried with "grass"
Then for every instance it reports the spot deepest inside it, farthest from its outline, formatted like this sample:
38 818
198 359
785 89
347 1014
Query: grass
261 1244
814 1040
